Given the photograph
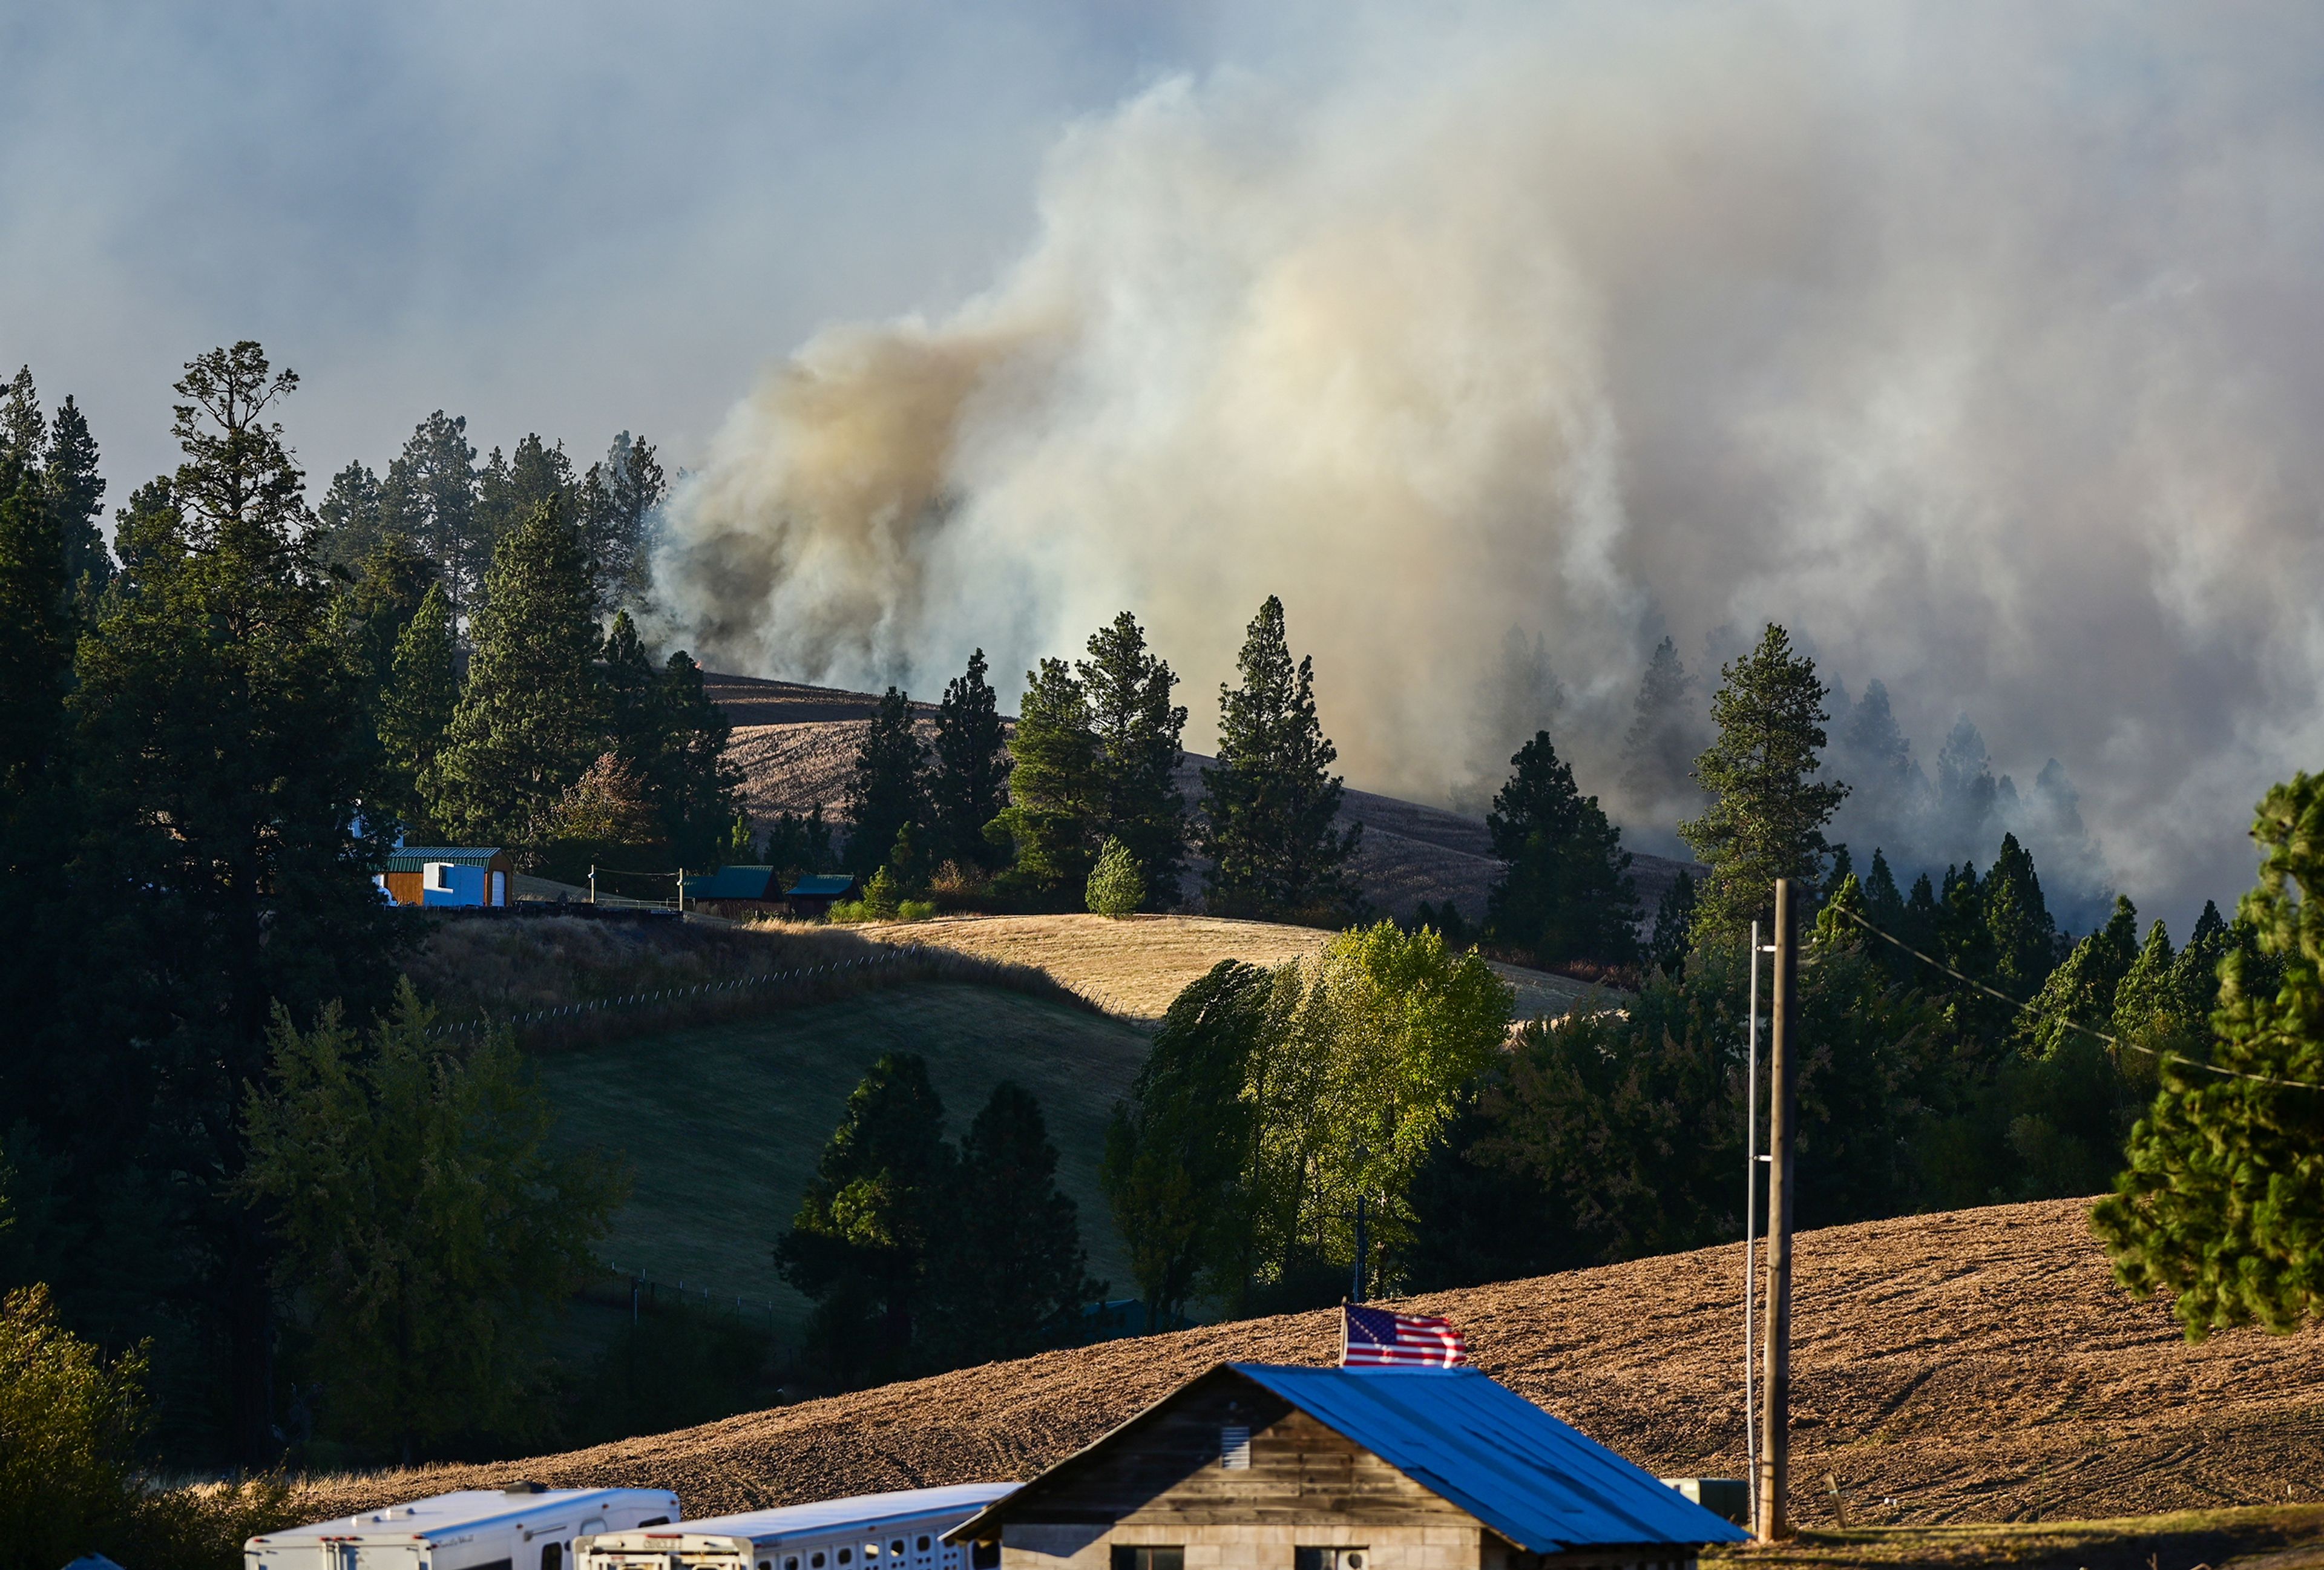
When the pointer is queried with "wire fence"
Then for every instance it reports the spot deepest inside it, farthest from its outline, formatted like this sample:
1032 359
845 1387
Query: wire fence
2178 1059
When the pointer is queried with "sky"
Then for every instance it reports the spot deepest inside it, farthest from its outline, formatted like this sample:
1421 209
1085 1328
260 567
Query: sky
1978 345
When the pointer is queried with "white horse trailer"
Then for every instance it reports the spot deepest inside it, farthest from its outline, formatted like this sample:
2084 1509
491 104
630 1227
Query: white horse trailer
524 1527
869 1531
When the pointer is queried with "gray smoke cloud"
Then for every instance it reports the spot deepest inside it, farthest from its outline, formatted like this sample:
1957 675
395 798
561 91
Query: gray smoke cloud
1976 345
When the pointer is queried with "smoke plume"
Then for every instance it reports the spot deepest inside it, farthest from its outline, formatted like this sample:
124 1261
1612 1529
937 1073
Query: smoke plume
1978 345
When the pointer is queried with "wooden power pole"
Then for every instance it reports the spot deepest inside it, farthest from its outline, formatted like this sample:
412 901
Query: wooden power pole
1776 1387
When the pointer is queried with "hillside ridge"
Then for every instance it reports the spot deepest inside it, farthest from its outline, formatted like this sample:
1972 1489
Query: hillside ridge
1972 1365
794 744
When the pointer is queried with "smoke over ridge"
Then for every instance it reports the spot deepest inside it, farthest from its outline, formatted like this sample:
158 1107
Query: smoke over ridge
1977 346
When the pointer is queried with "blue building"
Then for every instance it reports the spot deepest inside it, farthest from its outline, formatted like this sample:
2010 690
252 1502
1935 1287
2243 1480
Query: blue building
441 875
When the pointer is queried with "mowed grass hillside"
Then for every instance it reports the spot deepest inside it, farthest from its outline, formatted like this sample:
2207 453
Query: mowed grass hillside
723 1125
1134 967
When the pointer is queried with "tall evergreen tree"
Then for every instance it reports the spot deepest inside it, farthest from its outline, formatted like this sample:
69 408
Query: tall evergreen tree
618 498
430 495
1270 805
226 751
36 629
634 720
1010 1266
1883 902
883 787
862 1244
968 783
1565 892
1052 782
348 520
77 492
1768 809
531 718
1666 731
1667 947
2024 938
2218 1209
389 585
691 783
509 489
1136 729
415 712
24 429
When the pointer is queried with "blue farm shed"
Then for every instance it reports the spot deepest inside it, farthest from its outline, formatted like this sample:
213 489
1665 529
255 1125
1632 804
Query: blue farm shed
1252 1466
439 875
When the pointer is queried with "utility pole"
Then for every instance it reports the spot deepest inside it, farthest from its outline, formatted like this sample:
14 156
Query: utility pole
593 883
1775 1443
1751 1159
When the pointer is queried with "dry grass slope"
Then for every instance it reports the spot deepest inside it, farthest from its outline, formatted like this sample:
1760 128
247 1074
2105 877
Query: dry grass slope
1133 968
1976 1366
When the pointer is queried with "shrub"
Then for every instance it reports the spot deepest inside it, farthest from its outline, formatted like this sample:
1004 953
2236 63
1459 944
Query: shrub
881 895
68 1428
1116 887
915 910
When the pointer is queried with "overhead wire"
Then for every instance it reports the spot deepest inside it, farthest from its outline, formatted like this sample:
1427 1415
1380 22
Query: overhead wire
2114 1041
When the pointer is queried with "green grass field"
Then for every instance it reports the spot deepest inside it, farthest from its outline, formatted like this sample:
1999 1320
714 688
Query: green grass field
723 1124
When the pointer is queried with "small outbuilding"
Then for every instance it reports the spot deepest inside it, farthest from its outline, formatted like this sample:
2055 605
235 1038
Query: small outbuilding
813 896
440 875
1252 1466
735 892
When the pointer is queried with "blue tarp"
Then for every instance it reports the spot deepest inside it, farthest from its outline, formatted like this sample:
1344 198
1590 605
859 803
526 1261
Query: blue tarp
1482 1447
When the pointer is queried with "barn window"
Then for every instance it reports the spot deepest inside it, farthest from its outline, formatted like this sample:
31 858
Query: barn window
1234 1447
1140 1558
1330 1558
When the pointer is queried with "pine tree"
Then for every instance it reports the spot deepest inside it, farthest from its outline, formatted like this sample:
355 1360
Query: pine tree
1051 784
1011 1266
1768 812
633 696
968 784
1883 905
531 718
1666 731
2024 937
349 517
1116 886
883 787
618 498
1667 949
430 495
508 489
1565 892
2219 1207
389 585
690 781
77 492
2081 990
24 429
36 629
415 712
862 1244
1270 805
1137 731
226 752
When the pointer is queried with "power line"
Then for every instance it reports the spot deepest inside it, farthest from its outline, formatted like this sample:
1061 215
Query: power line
2114 1041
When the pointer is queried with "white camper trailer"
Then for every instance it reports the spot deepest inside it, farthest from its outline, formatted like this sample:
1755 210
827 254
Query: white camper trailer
524 1527
869 1531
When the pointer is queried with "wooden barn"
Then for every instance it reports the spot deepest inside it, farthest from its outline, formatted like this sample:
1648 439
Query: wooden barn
439 875
1252 1466
736 891
813 896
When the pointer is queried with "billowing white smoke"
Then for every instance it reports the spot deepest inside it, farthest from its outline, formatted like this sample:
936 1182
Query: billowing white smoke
1978 346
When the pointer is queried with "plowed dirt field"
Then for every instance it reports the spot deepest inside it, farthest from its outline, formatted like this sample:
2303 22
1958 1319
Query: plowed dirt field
1980 1365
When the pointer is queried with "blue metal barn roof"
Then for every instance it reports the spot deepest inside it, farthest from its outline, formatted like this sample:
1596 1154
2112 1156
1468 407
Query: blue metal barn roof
1482 1446
821 885
1473 1443
732 884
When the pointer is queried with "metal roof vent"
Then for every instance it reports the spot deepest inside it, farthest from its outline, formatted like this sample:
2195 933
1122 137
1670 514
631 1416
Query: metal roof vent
1234 1448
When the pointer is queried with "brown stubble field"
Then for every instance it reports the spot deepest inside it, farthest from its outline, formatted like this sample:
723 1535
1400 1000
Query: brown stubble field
1978 1366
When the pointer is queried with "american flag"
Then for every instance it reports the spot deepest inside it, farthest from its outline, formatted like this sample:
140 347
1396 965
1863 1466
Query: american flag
1381 1338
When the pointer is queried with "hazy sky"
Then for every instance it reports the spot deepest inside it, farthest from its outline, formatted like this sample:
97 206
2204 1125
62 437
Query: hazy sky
573 218
1982 344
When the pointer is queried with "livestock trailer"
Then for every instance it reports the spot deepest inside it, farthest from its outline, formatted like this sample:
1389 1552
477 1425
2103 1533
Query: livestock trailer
523 1527
869 1531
